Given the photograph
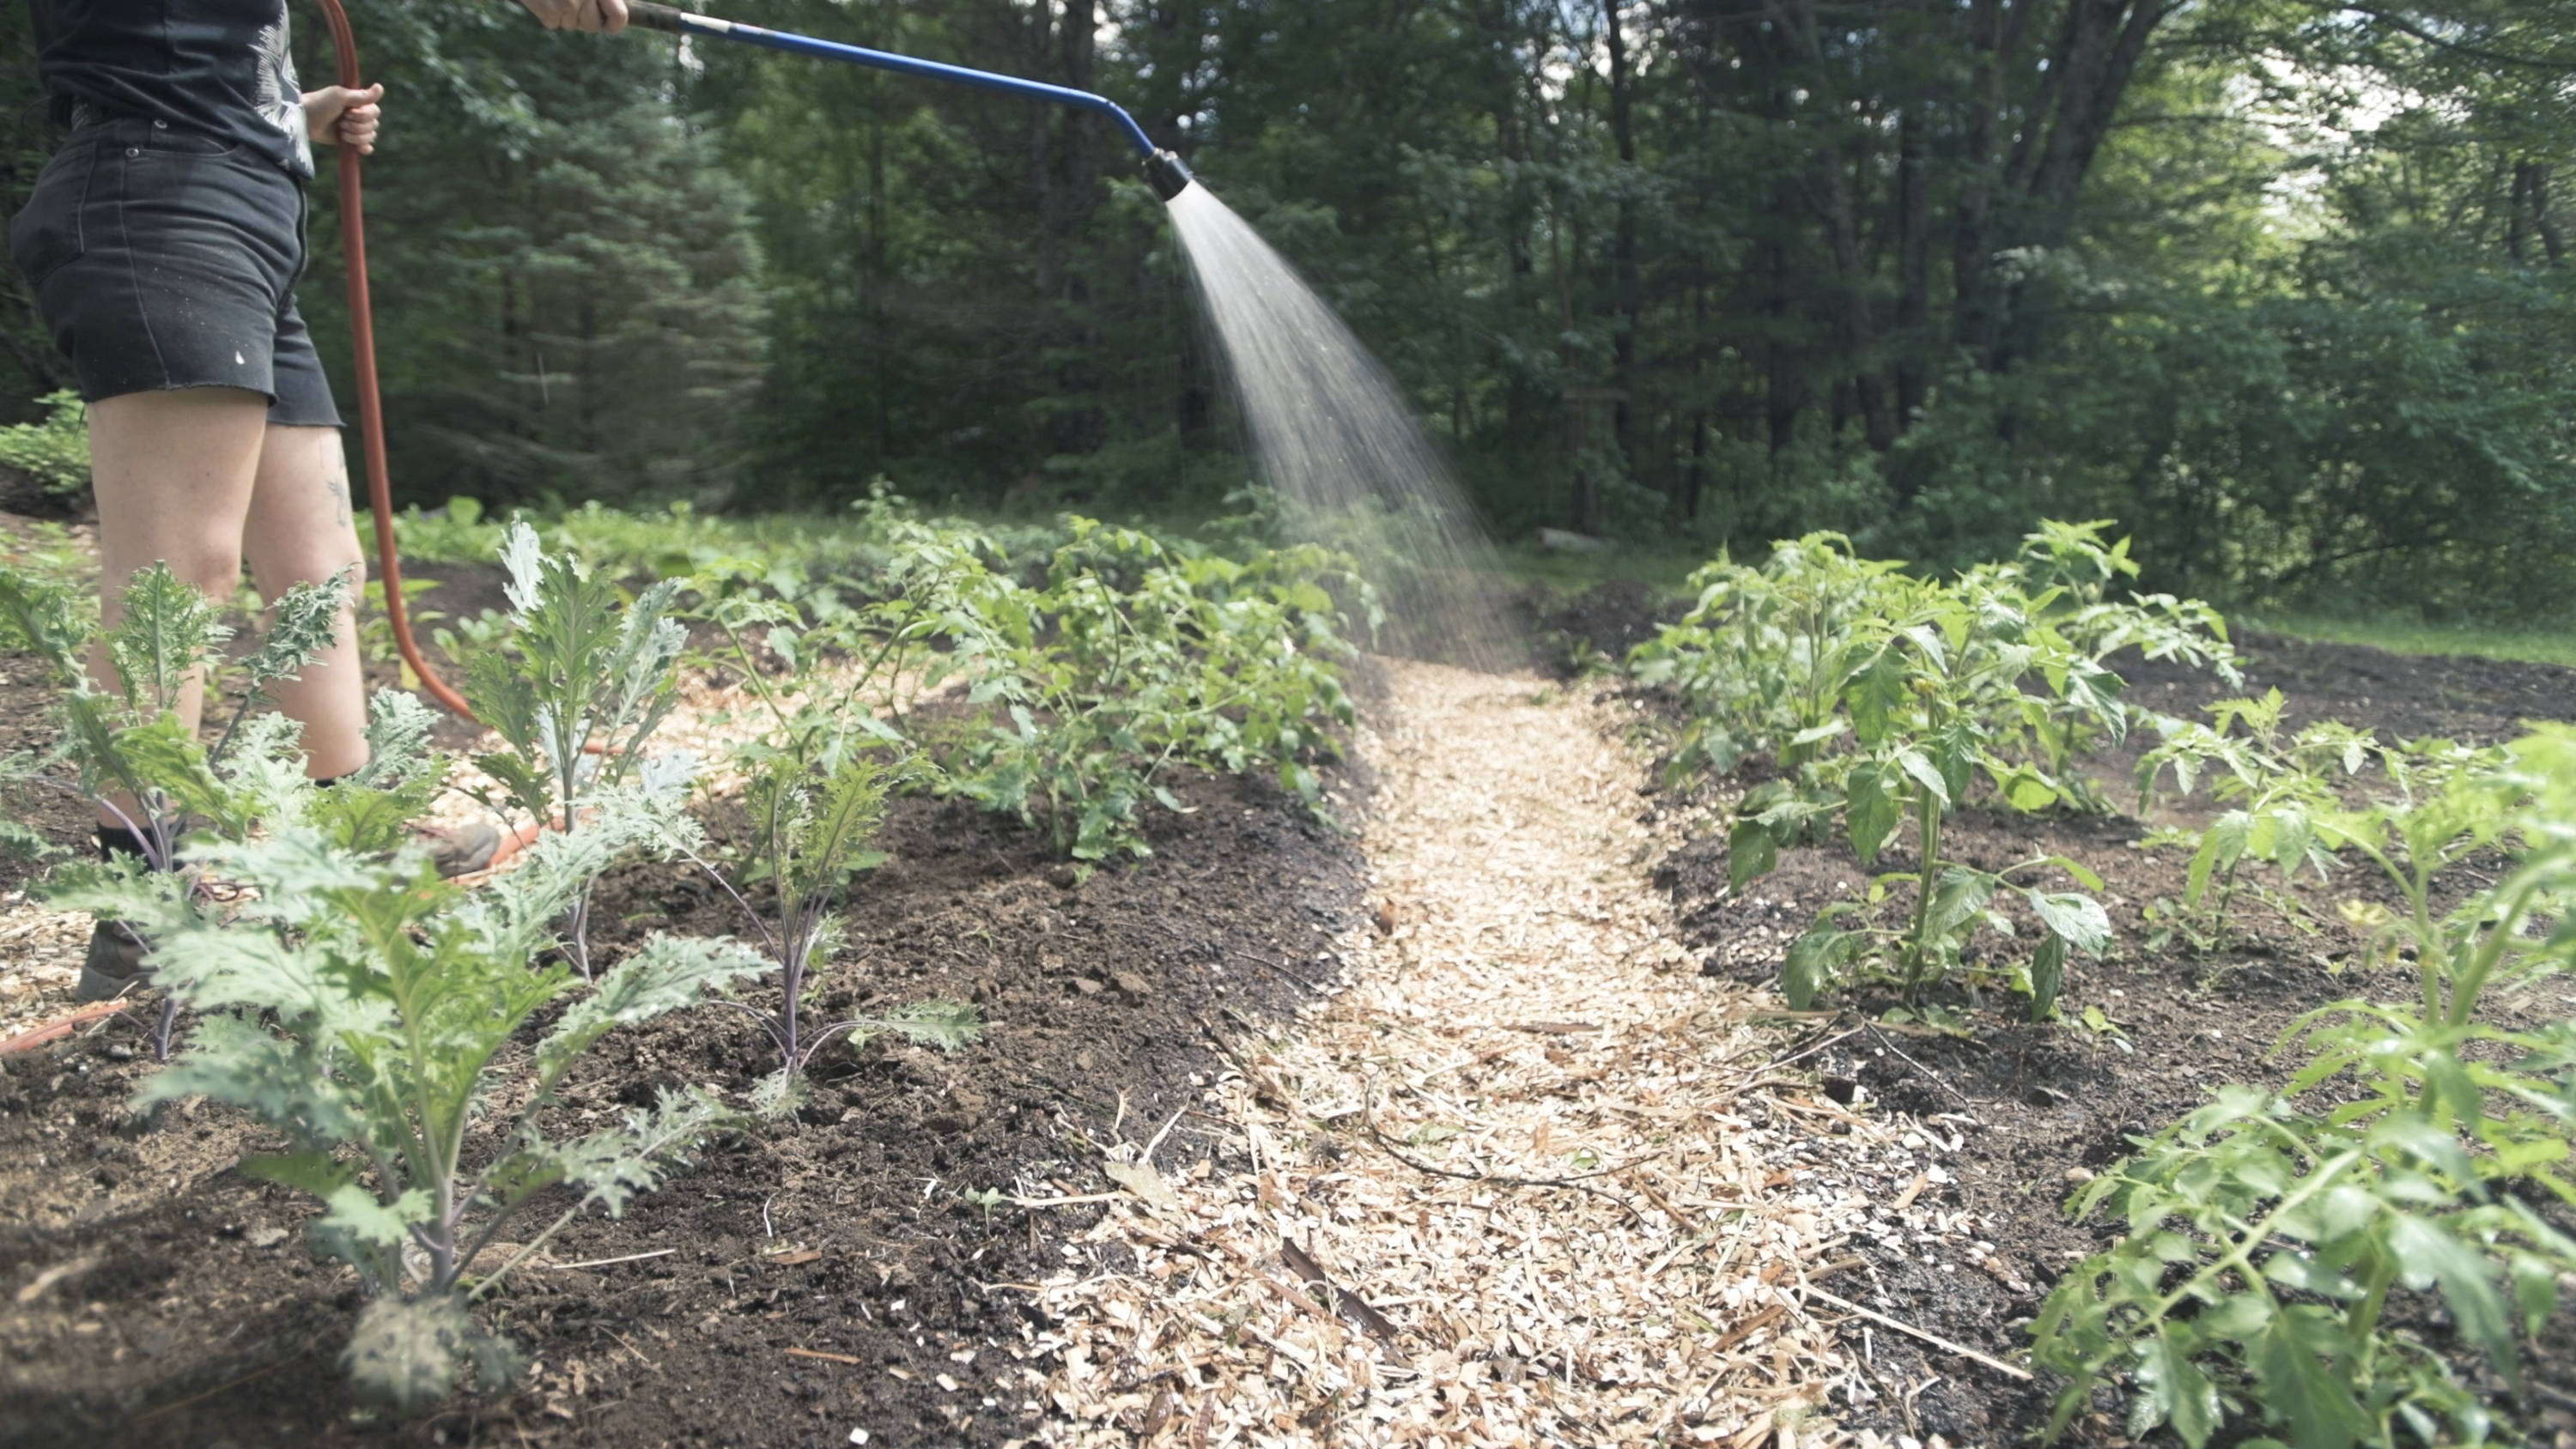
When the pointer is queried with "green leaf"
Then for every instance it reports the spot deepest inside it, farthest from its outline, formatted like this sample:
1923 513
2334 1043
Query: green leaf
1751 852
357 1213
1809 969
2426 1256
2078 920
666 974
2027 791
2302 1388
617 1163
1870 810
1874 693
1956 900
2220 846
2172 1390
2047 977
947 1025
1915 763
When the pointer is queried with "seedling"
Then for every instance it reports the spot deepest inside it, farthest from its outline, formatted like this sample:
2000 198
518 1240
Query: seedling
816 778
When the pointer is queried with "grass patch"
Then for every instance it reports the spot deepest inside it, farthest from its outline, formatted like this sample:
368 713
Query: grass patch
2535 645
1662 569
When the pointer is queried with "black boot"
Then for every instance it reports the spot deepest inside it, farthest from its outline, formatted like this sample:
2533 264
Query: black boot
114 966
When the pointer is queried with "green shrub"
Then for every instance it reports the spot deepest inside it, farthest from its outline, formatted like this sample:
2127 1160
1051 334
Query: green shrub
54 452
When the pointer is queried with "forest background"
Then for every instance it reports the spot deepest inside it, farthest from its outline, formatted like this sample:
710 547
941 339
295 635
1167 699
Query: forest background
2282 286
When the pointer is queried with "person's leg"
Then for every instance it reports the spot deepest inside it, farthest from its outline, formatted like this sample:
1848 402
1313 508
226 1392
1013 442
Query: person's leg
300 530
174 473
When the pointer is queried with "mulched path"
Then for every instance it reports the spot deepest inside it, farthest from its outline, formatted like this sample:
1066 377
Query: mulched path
1524 1180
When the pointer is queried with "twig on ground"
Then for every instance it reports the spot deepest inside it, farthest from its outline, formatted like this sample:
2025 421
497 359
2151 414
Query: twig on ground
1368 1120
1908 1329
1805 1052
1039 1202
825 1357
1930 1075
1348 1304
605 1262
1262 1082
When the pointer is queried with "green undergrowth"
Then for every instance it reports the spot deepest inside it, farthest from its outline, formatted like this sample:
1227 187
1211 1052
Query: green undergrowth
2531 644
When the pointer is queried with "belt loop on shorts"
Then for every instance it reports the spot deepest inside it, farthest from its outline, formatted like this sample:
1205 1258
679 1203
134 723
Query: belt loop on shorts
87 114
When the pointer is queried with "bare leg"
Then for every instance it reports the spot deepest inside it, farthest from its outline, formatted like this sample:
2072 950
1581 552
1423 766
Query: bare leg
300 530
174 472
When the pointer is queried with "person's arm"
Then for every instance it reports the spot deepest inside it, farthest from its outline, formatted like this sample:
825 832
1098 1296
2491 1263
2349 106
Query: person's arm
605 16
339 116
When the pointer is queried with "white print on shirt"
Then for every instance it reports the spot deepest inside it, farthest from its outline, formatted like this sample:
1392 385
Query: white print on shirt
280 99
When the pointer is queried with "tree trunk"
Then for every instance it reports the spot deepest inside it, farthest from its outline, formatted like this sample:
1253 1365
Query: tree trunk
1623 240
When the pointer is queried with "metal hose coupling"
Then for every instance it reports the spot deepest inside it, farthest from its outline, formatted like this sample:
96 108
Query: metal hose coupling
1165 173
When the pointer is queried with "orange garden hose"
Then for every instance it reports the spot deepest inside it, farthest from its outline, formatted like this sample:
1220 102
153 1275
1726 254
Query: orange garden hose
371 403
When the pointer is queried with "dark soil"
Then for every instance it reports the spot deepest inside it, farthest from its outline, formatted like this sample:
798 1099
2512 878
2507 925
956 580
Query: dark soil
1607 619
26 495
2052 1105
27 724
160 1296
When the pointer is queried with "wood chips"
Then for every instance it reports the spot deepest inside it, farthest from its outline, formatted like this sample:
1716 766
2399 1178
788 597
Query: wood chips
1525 1180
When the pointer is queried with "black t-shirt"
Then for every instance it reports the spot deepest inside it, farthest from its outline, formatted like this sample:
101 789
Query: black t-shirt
222 67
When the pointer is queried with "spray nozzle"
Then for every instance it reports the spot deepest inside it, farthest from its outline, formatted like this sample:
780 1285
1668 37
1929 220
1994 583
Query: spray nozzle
1165 173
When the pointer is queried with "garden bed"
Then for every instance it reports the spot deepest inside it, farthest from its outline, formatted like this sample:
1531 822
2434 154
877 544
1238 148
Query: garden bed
863 1267
2036 1110
824 1275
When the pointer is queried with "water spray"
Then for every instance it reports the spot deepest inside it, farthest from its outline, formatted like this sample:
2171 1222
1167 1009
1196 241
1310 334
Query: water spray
1330 427
1163 170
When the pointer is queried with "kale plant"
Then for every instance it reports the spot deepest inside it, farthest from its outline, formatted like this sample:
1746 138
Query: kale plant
816 769
364 1009
583 678
124 747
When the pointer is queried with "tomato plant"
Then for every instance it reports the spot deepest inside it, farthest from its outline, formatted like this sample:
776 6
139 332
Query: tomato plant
1936 701
2265 1237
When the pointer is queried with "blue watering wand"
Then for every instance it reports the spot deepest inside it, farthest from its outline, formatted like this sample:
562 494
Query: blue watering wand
1163 170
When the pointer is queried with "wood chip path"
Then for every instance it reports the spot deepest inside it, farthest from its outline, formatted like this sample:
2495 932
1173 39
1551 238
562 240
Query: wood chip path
1527 1179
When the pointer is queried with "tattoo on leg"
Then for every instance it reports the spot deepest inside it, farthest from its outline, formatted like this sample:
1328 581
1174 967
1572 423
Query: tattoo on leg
338 484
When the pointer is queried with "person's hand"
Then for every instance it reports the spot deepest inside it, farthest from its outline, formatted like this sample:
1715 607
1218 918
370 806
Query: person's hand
605 16
339 116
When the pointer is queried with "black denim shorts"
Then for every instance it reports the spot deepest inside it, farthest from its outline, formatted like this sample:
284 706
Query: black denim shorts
162 258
